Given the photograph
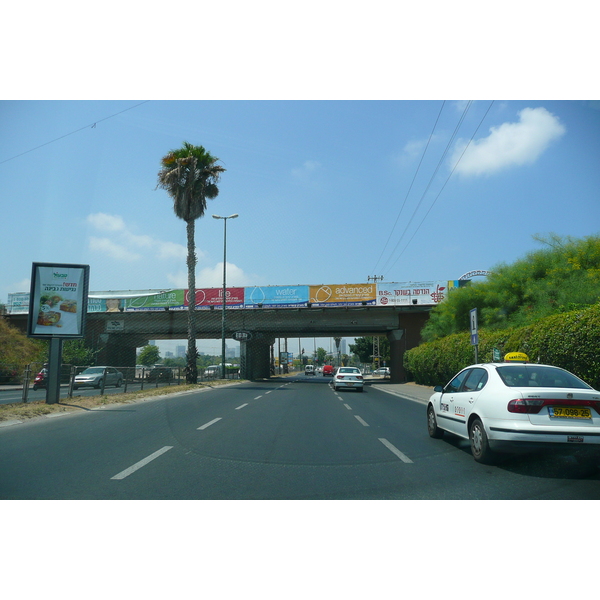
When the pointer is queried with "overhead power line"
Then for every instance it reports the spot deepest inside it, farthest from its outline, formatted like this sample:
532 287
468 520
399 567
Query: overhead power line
442 188
90 125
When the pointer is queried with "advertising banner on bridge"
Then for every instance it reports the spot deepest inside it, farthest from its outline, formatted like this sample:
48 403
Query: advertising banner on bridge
172 299
278 296
411 293
207 297
343 295
58 300
18 303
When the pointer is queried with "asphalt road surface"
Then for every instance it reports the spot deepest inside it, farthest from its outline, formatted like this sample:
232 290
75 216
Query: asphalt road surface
281 439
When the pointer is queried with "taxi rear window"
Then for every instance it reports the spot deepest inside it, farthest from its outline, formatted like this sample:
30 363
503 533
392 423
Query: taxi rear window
536 376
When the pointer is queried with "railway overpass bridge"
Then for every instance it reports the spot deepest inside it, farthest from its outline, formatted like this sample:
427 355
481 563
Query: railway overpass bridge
118 334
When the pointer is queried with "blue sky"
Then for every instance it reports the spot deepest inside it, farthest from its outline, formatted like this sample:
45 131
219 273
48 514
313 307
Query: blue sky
327 191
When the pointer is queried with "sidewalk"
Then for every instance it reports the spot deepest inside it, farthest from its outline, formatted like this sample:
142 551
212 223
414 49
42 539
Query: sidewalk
414 391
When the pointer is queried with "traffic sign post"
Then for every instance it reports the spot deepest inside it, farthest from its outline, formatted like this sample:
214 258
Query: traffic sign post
474 333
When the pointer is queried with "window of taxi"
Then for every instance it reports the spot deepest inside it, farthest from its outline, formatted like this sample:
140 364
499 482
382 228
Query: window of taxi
475 381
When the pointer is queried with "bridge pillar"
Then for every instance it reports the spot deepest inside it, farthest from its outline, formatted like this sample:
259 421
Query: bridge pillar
397 347
118 350
407 336
255 357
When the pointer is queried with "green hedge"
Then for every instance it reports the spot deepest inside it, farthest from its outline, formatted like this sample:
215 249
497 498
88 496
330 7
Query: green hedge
570 340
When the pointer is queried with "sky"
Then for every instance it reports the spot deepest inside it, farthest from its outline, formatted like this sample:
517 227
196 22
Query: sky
327 191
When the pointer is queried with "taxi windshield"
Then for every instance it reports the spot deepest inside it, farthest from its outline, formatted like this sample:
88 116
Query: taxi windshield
538 376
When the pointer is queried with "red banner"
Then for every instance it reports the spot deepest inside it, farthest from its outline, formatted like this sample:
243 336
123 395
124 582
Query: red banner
206 297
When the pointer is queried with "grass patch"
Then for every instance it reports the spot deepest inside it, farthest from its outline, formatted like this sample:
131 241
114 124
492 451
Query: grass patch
20 411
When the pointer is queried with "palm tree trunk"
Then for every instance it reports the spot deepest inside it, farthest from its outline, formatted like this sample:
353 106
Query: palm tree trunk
191 369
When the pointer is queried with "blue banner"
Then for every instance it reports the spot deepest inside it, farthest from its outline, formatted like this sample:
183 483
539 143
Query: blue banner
273 295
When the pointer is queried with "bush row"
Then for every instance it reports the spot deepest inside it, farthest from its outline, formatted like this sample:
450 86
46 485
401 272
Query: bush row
568 340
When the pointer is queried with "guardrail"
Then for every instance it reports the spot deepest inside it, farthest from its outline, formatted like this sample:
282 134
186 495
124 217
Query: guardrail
145 376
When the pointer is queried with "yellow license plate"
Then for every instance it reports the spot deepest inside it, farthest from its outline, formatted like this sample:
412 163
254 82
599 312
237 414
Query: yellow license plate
570 412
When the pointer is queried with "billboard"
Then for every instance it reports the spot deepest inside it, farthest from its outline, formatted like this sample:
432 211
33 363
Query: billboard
58 300
411 293
289 296
343 295
207 297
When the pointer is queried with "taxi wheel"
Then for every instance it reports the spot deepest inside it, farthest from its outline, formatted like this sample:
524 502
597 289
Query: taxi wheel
434 430
480 447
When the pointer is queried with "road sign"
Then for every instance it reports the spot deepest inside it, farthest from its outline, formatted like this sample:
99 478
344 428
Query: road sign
474 334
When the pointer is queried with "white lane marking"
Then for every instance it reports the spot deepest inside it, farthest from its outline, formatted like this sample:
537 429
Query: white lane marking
141 463
210 423
242 406
348 407
257 397
395 450
268 392
361 421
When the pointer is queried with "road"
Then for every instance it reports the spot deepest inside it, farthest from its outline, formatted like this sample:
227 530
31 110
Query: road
280 439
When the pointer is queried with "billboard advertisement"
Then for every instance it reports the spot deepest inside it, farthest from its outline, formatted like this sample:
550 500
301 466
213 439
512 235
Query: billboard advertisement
278 296
207 297
58 300
343 295
411 293
18 303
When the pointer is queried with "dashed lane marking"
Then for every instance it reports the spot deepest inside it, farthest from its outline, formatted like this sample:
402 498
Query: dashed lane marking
395 450
348 406
242 406
365 424
209 423
141 463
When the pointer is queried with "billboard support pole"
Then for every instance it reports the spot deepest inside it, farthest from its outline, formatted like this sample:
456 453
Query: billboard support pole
54 363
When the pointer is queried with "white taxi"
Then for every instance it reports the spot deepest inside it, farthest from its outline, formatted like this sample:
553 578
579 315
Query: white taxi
502 406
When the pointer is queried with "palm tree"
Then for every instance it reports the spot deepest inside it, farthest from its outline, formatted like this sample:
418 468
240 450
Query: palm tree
190 175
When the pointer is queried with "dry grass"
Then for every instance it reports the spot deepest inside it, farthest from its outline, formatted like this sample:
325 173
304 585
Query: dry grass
20 411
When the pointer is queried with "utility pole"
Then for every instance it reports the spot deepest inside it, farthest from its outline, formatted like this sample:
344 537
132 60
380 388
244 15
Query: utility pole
375 278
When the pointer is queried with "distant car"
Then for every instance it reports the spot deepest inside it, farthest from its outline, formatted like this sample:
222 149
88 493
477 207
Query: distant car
160 373
507 406
382 372
92 377
309 370
328 371
348 377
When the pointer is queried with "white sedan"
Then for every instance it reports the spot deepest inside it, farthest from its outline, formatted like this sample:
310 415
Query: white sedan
348 378
503 406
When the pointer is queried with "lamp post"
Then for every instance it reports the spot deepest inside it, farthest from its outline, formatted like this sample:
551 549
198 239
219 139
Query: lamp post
224 288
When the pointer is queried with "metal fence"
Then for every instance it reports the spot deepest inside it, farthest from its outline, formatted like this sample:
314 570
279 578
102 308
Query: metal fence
146 377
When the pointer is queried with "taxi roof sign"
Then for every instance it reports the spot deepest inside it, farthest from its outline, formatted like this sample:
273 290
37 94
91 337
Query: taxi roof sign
516 357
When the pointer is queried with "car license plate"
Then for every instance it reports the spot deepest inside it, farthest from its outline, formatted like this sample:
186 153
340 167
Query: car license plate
349 383
570 412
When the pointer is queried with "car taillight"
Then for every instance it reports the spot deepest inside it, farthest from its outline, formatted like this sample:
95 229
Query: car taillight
531 406
525 405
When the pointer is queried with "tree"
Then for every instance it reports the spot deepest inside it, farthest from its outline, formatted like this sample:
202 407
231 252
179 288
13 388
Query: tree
149 355
190 175
76 352
363 348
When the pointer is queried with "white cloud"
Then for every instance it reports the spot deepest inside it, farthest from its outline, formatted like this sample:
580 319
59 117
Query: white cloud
109 248
123 243
211 277
104 222
510 144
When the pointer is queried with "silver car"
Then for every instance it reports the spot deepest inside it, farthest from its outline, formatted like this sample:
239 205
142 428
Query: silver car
92 377
348 378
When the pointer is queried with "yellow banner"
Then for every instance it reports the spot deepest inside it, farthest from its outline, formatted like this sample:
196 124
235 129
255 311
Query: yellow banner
339 295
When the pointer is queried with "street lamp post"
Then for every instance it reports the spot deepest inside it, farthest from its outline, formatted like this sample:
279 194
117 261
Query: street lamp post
224 288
